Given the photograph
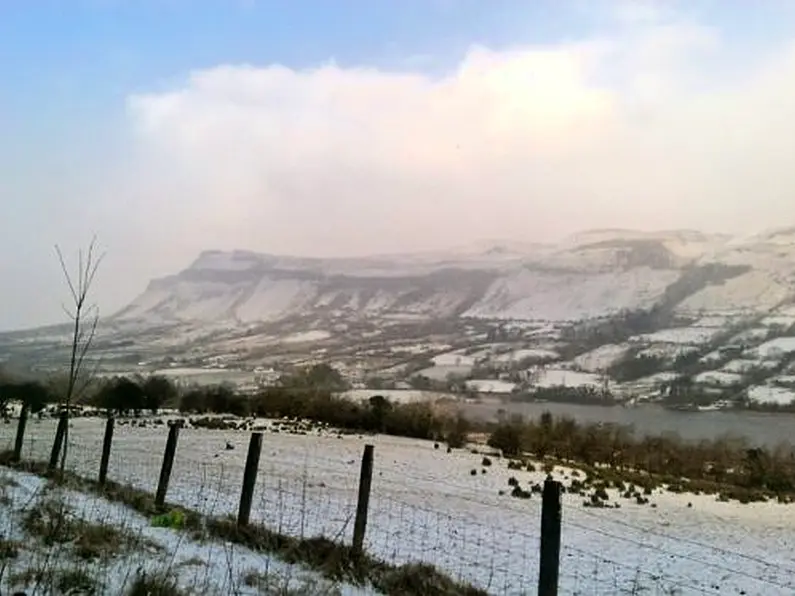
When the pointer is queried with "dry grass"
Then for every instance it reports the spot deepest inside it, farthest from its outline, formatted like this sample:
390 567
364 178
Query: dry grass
333 560
268 585
50 521
9 549
74 580
154 584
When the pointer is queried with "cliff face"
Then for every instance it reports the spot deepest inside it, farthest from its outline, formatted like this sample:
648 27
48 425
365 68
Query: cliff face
593 274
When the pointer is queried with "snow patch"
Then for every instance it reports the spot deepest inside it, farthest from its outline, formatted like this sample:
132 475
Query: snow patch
601 358
453 359
678 335
774 349
490 386
527 354
543 296
560 377
717 378
307 336
767 394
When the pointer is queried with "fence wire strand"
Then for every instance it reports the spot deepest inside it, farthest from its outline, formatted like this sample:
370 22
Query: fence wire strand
306 490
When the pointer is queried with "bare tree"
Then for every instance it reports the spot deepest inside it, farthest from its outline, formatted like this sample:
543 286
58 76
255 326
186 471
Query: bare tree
85 317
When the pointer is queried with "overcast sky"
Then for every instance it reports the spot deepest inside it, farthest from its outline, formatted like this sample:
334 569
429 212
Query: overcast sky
334 127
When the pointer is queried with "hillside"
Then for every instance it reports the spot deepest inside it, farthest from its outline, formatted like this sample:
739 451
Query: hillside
591 275
679 316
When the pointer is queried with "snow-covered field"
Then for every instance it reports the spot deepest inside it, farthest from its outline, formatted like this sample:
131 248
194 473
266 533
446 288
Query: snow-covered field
307 336
206 567
601 358
490 386
560 377
717 378
744 366
775 348
426 505
769 394
398 396
441 373
202 376
453 359
536 354
679 335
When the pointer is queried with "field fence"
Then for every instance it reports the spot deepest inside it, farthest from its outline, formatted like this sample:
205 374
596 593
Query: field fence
308 488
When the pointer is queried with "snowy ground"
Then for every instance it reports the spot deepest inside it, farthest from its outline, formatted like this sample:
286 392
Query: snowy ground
560 377
212 568
770 394
527 354
426 505
398 396
678 336
441 373
601 358
490 386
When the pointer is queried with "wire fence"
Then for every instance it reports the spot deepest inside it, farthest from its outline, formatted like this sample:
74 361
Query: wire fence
427 506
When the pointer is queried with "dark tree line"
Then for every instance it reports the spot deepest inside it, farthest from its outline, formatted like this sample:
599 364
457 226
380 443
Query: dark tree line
32 394
727 461
312 394
125 395
585 394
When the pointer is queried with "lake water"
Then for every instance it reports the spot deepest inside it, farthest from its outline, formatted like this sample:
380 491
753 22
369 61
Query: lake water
764 429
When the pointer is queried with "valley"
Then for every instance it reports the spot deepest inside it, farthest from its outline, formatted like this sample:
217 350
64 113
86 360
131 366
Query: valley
684 319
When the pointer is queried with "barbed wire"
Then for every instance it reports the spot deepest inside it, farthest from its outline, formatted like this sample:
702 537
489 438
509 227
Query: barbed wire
649 531
701 561
632 585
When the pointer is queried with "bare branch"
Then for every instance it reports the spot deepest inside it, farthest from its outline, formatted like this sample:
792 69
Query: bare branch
80 284
66 273
67 312
88 379
89 338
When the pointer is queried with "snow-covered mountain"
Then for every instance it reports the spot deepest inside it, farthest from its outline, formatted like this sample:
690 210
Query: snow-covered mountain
589 275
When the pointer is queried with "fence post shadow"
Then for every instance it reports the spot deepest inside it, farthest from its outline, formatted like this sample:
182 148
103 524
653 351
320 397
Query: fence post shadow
551 515
363 504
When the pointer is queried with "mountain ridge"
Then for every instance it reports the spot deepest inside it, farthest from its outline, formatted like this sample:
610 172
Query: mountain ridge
588 275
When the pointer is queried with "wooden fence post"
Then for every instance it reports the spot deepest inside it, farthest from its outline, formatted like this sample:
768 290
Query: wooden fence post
20 440
550 539
60 433
168 464
249 479
365 482
106 444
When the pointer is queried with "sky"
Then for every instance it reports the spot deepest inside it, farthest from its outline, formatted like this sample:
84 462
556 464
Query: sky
349 127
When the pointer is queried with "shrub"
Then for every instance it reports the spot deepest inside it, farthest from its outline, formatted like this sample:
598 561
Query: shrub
507 437
156 584
76 581
458 432
8 549
173 519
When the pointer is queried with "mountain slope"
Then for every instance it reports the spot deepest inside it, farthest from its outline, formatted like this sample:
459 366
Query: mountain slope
590 275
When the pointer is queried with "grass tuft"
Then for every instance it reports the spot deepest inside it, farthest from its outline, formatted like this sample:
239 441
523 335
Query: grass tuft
155 584
335 561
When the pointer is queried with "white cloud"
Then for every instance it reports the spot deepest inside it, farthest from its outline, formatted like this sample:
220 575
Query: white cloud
635 130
